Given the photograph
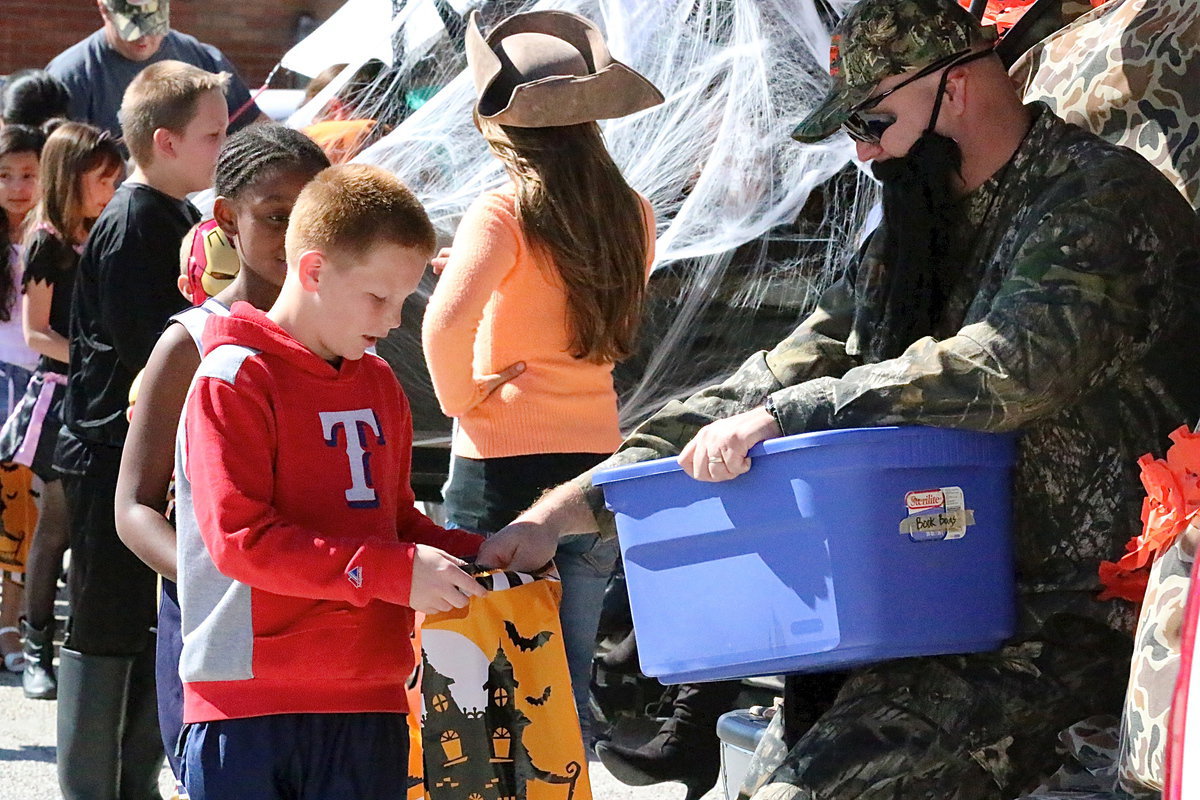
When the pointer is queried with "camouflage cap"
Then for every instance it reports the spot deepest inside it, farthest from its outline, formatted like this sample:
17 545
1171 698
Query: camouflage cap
137 18
881 38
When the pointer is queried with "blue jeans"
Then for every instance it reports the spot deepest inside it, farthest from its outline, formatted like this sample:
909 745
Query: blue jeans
484 495
585 564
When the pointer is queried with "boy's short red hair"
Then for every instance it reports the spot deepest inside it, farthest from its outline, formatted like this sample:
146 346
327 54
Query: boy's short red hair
351 208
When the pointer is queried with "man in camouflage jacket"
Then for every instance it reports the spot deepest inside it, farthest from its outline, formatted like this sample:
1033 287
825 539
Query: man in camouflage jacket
1070 319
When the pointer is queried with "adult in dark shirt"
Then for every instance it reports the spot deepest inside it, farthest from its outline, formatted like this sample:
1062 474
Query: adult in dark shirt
97 70
124 294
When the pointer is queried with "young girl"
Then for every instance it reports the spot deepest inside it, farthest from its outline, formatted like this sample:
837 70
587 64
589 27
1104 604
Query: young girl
20 148
260 172
542 293
81 166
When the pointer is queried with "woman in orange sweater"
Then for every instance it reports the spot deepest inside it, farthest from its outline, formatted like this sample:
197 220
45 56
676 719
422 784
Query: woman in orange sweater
542 293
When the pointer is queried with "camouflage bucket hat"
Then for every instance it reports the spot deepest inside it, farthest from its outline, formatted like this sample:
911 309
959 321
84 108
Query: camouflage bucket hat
137 18
881 38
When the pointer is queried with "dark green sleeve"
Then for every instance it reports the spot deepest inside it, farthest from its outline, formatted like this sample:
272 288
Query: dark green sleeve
1087 294
816 348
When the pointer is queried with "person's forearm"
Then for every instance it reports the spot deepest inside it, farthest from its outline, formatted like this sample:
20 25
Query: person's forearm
49 344
529 542
150 537
563 509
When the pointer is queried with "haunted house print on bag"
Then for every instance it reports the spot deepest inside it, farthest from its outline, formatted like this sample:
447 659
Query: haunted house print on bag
498 717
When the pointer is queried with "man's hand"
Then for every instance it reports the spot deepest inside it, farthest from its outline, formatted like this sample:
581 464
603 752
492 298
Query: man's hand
520 547
528 543
718 451
438 582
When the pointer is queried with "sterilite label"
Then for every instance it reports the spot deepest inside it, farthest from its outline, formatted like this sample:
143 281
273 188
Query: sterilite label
935 515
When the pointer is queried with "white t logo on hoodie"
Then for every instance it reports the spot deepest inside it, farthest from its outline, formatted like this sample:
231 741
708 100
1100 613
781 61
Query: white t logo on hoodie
357 422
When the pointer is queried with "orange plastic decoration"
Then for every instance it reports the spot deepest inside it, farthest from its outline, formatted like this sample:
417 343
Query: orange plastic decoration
1006 13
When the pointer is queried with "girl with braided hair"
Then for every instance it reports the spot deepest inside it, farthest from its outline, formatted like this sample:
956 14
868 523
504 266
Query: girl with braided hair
260 172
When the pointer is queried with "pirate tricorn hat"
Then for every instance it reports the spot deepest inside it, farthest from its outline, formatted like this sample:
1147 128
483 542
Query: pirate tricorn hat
548 68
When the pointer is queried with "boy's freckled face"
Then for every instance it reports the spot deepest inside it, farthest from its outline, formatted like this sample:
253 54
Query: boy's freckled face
361 297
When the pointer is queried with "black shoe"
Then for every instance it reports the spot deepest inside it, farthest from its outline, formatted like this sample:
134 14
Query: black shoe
39 681
622 659
692 759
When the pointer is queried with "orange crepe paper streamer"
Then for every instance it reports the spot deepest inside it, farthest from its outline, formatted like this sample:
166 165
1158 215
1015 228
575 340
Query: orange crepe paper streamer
1172 501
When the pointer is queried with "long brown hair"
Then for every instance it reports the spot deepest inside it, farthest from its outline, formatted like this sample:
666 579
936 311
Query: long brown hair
73 150
573 202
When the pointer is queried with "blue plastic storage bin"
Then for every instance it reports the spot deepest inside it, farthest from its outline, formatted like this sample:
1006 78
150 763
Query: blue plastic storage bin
836 548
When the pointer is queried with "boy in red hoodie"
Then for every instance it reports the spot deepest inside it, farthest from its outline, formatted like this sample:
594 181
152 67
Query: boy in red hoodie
301 556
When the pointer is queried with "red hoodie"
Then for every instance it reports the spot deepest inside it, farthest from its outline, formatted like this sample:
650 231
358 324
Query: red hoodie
296 529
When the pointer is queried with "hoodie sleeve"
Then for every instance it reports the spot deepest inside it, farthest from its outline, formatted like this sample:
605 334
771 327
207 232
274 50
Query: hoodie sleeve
229 460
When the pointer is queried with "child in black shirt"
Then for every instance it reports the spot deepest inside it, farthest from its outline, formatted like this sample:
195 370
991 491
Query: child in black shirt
173 119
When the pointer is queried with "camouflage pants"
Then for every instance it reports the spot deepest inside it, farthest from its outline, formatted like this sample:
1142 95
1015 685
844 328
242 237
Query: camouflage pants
971 727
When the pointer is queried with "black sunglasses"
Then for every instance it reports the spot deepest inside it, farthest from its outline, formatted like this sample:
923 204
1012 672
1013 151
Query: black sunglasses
869 128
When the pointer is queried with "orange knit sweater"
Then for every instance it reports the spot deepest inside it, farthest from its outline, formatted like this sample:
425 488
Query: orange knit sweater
497 303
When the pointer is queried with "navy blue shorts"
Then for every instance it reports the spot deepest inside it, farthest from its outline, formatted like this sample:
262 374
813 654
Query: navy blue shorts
297 757
166 672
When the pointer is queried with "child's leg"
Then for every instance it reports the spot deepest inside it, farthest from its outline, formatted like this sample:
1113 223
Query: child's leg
237 758
167 683
585 564
298 757
41 587
45 555
364 756
110 646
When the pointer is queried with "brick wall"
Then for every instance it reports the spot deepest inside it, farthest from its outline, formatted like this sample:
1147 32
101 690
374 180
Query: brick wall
252 33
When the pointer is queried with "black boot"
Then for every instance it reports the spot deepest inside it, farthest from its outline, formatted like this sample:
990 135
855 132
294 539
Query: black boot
686 748
91 711
622 659
141 740
39 681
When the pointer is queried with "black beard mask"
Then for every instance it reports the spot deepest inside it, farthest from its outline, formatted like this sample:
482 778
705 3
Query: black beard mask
920 215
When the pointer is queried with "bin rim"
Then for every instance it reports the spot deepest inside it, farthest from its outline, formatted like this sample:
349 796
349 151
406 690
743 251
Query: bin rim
1005 444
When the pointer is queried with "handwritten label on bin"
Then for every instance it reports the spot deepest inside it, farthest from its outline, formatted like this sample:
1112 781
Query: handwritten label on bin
935 515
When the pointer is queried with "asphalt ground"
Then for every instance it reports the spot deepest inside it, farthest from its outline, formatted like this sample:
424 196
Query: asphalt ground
28 770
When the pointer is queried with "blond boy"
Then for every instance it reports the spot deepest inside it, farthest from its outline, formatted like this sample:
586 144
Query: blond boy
173 118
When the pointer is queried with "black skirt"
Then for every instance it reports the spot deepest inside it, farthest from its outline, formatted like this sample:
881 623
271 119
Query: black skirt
30 434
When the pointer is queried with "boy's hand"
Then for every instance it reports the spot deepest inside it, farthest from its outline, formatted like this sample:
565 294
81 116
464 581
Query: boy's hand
438 582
